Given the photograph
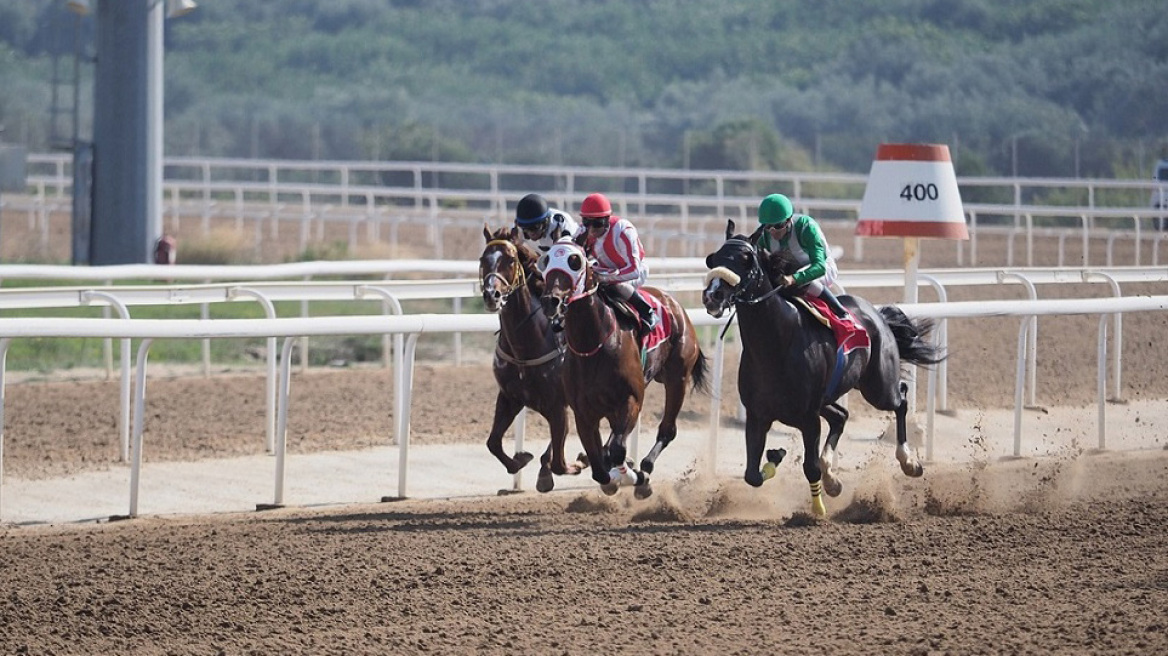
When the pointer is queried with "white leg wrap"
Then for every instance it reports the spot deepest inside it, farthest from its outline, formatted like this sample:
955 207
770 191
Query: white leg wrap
623 475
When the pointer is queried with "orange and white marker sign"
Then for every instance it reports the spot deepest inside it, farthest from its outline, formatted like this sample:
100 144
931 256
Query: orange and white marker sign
912 192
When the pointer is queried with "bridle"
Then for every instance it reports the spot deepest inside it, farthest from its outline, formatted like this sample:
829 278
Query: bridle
739 293
591 287
753 275
517 280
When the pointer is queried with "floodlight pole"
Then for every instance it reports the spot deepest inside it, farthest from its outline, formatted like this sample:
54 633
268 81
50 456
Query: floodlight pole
127 132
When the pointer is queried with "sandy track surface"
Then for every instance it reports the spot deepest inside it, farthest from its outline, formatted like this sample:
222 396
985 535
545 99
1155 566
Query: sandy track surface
1064 554
1070 558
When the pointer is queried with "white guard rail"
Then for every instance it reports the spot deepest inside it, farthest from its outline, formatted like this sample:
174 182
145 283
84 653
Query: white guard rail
289 271
413 326
391 293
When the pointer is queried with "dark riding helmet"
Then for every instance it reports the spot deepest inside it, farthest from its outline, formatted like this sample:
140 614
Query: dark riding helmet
532 211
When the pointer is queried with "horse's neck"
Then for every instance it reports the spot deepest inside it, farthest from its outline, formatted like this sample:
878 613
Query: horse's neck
523 323
776 315
588 321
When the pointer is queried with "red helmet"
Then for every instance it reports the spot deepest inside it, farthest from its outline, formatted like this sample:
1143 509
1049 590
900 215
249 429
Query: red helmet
595 206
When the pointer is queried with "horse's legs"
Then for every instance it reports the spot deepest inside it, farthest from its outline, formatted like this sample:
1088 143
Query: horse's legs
553 461
667 429
756 434
621 470
588 429
908 462
811 466
506 409
836 417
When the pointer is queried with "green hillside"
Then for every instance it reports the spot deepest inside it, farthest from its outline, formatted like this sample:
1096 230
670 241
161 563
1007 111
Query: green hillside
1044 88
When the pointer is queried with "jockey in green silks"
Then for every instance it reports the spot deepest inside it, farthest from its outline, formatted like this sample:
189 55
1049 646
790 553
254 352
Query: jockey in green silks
809 247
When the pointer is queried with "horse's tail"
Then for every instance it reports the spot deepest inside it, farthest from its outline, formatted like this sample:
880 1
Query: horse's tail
700 368
910 337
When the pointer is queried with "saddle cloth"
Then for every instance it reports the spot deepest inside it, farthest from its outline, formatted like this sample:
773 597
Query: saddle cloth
661 331
849 334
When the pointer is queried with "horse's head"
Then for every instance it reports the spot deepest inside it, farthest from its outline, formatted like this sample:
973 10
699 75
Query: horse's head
567 276
505 266
733 268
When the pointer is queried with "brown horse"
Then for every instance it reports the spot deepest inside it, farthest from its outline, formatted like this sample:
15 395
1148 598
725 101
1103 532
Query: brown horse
528 355
607 367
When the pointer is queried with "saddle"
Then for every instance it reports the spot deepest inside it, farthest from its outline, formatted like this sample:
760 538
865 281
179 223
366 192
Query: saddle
626 312
623 309
849 334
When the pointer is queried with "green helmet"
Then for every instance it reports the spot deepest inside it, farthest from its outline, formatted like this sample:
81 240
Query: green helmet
775 209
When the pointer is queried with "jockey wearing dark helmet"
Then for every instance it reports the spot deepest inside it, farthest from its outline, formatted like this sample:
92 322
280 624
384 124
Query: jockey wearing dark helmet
542 225
616 248
809 246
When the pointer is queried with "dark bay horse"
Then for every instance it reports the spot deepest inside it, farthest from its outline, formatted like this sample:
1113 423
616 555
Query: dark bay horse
528 355
789 358
606 369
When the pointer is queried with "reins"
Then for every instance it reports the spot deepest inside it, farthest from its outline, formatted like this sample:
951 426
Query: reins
518 281
754 275
613 325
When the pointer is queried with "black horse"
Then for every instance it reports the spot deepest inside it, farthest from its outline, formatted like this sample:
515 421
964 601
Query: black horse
528 355
788 372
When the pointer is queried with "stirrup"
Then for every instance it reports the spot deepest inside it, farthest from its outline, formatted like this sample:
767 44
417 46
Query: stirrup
650 322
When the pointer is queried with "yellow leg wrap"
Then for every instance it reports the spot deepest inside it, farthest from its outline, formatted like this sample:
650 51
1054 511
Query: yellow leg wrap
817 506
768 471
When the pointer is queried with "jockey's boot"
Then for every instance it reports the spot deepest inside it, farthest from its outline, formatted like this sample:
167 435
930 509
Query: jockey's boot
837 308
648 315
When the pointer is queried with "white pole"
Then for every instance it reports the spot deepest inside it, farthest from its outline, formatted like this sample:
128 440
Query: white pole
912 261
3 368
139 424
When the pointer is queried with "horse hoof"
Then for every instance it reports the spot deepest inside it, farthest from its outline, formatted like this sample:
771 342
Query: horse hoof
818 509
832 487
545 483
583 460
768 471
610 488
912 469
521 459
643 491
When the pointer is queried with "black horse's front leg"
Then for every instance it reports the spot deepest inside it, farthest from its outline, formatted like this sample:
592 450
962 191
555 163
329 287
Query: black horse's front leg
756 434
811 431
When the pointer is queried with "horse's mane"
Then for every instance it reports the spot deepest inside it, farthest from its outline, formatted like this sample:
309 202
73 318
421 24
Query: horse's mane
528 257
775 264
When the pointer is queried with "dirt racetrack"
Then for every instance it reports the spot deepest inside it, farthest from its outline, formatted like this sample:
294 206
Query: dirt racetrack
1020 556
918 572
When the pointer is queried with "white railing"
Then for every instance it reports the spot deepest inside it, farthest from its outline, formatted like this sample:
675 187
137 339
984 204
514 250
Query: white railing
383 196
411 327
256 284
348 178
